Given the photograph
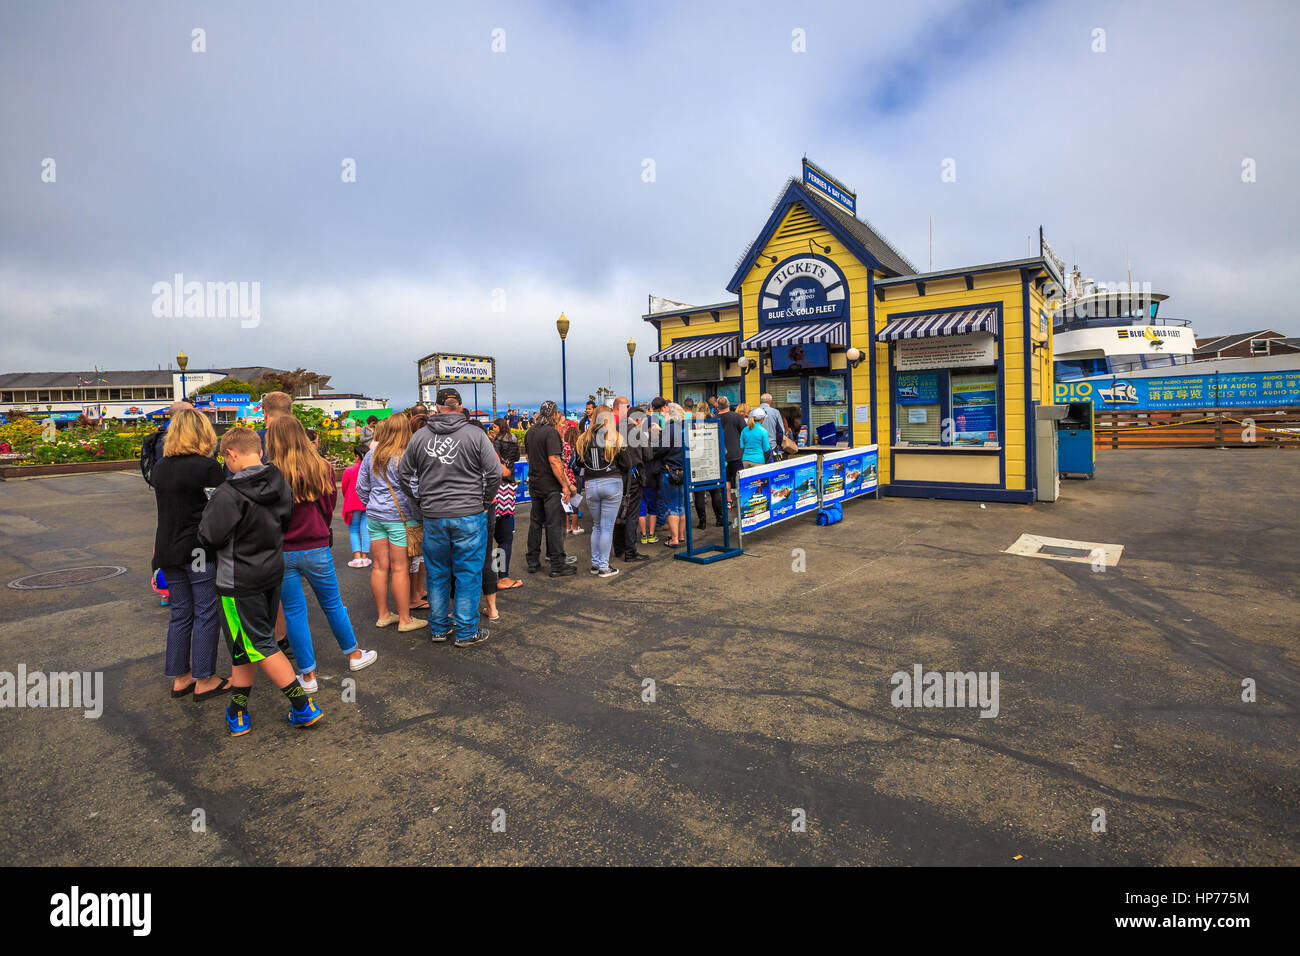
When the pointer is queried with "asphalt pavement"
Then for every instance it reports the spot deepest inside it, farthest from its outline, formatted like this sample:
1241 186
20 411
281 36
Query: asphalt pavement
771 737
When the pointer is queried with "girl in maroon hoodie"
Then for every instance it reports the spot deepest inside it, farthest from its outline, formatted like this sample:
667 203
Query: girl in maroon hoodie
307 554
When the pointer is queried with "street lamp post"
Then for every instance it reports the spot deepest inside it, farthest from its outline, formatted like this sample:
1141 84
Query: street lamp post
183 361
631 369
562 325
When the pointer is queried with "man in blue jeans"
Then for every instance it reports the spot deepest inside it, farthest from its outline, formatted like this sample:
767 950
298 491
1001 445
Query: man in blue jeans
454 472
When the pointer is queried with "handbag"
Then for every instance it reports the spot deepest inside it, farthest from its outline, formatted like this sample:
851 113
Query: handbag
414 532
788 446
676 473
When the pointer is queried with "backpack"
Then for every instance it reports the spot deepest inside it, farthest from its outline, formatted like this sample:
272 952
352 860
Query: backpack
150 451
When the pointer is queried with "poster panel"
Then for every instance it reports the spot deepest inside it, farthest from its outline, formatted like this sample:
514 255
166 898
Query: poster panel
849 473
772 493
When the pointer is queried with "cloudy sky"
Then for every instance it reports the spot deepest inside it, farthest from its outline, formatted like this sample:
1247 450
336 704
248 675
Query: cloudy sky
496 188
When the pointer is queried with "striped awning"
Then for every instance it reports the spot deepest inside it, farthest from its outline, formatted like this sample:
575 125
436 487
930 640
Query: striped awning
940 323
832 333
701 346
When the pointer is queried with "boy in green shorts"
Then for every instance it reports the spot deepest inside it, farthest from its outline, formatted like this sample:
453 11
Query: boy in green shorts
243 524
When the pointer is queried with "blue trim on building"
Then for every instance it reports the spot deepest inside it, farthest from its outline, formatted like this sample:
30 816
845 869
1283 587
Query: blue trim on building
945 397
1031 472
873 435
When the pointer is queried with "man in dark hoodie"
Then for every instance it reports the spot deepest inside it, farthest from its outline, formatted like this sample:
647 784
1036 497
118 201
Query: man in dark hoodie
244 524
453 472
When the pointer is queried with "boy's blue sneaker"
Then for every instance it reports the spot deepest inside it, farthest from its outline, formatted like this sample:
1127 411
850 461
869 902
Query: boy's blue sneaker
240 724
307 716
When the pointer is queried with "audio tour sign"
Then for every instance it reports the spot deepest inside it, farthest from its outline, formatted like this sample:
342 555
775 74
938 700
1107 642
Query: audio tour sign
801 289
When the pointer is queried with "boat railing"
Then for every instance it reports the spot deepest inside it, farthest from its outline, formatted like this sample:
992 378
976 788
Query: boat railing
1071 324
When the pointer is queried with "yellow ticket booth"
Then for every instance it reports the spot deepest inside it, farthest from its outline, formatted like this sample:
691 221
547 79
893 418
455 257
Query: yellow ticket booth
941 370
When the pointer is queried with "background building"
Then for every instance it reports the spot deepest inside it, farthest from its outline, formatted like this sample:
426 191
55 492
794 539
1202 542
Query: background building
136 394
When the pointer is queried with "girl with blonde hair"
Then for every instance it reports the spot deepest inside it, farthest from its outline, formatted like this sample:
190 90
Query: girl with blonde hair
391 513
307 549
601 451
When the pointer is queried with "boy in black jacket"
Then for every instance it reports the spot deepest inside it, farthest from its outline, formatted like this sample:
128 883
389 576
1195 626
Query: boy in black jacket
244 524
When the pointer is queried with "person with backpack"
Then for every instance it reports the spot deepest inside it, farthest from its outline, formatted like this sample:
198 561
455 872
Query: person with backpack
151 449
672 478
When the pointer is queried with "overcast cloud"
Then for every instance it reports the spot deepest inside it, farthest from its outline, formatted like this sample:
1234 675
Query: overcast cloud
521 171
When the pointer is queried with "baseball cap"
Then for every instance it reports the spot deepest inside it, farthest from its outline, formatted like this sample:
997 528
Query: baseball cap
759 414
448 396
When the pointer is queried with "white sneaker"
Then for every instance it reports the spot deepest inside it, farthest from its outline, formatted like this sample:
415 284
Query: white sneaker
310 686
579 531
365 660
609 572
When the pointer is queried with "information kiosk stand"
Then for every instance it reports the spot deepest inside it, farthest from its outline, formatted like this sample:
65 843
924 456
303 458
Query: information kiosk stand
705 470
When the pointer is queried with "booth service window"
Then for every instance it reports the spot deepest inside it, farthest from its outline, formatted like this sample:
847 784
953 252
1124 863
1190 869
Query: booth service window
966 398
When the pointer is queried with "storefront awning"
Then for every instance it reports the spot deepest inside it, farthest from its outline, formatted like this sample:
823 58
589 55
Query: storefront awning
703 346
940 323
832 333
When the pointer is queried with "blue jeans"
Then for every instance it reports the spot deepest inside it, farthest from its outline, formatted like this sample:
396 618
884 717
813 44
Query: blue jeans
454 548
192 632
316 565
359 531
605 495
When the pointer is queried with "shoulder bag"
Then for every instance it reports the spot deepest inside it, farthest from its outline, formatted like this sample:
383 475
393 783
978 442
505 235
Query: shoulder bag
414 532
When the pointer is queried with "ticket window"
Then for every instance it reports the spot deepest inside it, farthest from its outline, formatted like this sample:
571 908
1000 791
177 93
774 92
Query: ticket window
946 407
812 400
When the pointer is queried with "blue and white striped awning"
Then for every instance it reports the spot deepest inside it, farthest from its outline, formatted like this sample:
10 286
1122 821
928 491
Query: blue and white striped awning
940 323
700 346
832 333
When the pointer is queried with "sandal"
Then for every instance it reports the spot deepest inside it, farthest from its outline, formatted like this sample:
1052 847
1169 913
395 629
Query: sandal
188 688
222 688
422 606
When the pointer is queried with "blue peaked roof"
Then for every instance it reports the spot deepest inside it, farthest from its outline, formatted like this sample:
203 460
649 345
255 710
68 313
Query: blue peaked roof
858 237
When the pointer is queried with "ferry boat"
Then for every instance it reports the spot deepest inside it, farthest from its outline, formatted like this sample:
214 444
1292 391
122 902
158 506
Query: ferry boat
1112 346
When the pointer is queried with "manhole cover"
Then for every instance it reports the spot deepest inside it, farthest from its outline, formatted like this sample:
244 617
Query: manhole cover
1065 549
1064 552
66 577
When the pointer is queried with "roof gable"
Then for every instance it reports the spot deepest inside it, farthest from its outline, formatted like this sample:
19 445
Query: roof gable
857 236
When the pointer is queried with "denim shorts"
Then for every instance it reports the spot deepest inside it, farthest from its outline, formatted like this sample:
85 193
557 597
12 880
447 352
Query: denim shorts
672 496
394 531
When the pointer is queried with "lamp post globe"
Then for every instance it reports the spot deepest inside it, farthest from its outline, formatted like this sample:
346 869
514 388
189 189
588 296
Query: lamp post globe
562 326
631 368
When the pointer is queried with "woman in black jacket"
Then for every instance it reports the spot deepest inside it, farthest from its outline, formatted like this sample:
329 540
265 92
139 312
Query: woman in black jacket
182 480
